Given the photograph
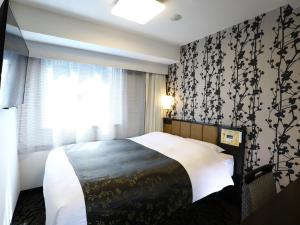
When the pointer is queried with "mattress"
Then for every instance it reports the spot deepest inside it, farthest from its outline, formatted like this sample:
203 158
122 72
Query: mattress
208 170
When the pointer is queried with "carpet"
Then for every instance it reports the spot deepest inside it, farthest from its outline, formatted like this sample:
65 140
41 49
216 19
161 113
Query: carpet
215 209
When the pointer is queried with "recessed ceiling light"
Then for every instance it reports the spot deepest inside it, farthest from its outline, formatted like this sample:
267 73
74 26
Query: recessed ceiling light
139 11
176 17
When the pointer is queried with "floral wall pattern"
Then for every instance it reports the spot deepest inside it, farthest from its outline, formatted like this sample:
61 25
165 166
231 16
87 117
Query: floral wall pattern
285 106
247 75
188 60
172 87
213 77
244 85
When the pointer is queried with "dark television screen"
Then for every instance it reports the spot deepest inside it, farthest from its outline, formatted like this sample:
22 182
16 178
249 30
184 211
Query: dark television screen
14 64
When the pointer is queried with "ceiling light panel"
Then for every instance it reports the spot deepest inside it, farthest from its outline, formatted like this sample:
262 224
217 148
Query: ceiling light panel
139 11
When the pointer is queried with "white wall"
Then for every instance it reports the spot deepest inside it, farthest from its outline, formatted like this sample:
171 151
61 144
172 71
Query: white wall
115 40
32 166
42 50
9 167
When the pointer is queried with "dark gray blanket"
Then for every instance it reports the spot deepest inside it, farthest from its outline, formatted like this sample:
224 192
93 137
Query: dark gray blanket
125 183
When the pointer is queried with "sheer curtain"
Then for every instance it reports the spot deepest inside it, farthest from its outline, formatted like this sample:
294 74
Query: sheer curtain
155 89
67 102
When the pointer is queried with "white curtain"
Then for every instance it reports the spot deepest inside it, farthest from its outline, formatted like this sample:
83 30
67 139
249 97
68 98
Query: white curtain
155 89
67 102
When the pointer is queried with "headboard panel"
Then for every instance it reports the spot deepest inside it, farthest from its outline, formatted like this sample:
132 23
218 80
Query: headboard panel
185 129
212 134
176 127
196 131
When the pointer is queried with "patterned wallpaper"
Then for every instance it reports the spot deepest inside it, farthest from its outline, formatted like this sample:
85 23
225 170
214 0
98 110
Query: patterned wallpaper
247 75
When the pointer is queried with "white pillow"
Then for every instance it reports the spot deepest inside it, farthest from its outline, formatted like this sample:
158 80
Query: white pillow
209 145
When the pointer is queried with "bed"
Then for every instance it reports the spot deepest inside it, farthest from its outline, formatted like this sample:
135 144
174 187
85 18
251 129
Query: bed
209 168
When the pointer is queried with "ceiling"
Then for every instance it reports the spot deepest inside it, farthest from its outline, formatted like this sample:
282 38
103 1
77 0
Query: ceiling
200 17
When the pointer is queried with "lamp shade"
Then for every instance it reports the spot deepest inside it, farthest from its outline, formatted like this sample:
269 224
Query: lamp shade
166 102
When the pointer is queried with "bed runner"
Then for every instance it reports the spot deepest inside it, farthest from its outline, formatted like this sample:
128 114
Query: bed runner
125 183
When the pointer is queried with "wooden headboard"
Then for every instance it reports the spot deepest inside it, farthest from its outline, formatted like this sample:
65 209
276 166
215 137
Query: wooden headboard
212 134
198 131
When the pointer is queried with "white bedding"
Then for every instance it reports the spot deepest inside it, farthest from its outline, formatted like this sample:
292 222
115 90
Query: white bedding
209 172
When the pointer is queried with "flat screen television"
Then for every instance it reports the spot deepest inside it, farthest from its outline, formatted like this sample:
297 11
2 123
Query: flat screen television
13 59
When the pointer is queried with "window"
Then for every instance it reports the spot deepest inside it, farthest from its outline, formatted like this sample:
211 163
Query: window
67 102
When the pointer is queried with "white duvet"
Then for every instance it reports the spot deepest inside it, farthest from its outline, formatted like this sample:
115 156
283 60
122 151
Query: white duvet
209 172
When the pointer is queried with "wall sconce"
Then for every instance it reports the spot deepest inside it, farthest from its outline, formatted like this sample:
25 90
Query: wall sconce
166 103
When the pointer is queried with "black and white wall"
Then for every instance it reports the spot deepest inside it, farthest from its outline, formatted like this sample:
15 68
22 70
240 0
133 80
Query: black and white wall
247 75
